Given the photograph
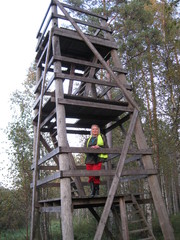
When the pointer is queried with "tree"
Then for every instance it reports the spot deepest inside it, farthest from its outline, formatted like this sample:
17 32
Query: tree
20 132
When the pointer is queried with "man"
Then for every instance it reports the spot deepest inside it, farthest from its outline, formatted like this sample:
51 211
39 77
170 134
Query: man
94 161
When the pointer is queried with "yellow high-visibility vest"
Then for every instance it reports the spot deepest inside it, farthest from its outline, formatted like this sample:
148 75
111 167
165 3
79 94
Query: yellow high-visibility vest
100 143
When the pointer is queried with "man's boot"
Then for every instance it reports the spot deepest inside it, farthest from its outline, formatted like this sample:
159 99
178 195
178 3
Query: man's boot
96 189
92 189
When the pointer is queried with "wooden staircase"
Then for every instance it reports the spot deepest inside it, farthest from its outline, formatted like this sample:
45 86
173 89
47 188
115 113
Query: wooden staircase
139 228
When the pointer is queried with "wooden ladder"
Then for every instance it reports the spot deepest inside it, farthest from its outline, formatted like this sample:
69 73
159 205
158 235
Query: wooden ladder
141 227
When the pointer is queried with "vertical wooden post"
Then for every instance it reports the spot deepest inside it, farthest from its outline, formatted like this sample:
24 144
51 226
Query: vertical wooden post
35 230
65 189
154 186
124 221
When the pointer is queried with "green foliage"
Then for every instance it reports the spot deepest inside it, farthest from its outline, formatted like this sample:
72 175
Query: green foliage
15 203
175 219
12 213
19 234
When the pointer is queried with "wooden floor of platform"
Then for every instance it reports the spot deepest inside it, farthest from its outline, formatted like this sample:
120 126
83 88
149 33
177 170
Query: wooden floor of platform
54 205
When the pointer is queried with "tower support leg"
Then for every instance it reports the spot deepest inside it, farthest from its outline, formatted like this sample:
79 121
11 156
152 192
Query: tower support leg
163 217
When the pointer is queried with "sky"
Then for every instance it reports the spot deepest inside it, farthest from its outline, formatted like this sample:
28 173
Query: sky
19 23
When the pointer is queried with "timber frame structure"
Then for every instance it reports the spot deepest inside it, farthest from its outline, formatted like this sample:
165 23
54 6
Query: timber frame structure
79 76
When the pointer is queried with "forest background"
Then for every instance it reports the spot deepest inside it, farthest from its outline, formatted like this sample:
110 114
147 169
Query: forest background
148 36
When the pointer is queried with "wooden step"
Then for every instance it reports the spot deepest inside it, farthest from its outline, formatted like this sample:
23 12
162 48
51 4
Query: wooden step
136 221
148 238
135 212
139 230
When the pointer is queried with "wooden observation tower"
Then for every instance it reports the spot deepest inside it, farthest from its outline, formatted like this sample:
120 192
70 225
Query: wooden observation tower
80 77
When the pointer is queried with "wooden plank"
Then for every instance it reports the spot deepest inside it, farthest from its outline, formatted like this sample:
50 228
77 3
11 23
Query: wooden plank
48 156
116 178
86 23
43 33
35 173
133 158
104 92
54 209
80 132
122 206
139 230
48 179
42 55
94 40
104 150
60 150
85 79
48 168
83 173
79 201
83 11
94 105
48 118
86 63
118 123
48 148
37 87
70 87
39 31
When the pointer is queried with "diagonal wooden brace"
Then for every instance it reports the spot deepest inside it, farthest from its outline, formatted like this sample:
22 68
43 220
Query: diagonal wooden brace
97 54
116 178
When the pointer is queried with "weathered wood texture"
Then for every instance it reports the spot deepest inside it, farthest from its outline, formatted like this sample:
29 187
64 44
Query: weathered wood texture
115 181
124 221
75 78
65 189
37 144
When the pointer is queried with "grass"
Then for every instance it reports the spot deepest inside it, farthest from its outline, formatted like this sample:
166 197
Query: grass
19 234
84 229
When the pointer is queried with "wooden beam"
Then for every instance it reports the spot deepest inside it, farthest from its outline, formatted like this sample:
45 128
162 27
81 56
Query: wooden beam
86 63
74 35
104 150
118 123
122 206
47 147
44 19
84 79
94 105
65 189
116 178
60 150
35 173
154 187
83 11
86 23
82 173
106 173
